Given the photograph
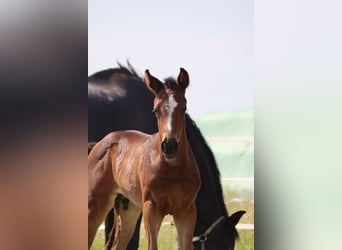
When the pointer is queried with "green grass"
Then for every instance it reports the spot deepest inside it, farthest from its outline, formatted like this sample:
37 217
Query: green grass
99 240
246 240
167 233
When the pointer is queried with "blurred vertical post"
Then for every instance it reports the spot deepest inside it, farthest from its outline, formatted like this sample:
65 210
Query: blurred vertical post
43 104
298 124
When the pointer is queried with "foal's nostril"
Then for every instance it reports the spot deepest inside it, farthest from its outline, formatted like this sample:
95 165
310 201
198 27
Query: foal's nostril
173 144
163 146
169 146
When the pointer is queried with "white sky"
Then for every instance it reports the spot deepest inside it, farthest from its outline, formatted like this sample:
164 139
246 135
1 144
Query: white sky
212 40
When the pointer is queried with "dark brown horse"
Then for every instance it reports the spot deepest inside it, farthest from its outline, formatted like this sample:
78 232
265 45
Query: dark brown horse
158 173
118 99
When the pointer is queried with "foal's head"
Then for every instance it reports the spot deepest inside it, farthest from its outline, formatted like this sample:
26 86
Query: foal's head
169 108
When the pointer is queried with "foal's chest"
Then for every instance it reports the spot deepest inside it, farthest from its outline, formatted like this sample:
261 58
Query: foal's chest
172 194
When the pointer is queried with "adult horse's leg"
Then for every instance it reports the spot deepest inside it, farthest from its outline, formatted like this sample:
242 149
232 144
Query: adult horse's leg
185 221
110 229
109 222
152 222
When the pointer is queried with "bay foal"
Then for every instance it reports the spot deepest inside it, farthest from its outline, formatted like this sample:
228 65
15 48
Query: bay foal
158 173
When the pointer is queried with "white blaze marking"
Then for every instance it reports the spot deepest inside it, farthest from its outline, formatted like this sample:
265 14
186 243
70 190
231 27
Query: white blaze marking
172 104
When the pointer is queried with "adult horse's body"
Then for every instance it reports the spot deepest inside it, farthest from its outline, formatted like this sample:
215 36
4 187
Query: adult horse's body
119 100
158 173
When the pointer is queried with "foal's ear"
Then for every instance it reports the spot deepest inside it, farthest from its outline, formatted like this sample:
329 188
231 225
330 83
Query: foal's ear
183 79
153 83
235 217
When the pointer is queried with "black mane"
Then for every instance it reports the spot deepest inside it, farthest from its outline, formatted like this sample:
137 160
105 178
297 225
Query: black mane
108 73
192 127
129 71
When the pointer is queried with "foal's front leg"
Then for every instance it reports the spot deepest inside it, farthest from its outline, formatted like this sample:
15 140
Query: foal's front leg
185 221
152 222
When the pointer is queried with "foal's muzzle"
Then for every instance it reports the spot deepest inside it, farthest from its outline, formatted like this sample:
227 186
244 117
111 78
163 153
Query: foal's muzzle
169 147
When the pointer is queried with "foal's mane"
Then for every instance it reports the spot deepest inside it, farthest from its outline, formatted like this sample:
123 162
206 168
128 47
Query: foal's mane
170 83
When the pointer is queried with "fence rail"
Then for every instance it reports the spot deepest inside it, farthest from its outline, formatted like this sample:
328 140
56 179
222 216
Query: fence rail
238 179
240 226
230 138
